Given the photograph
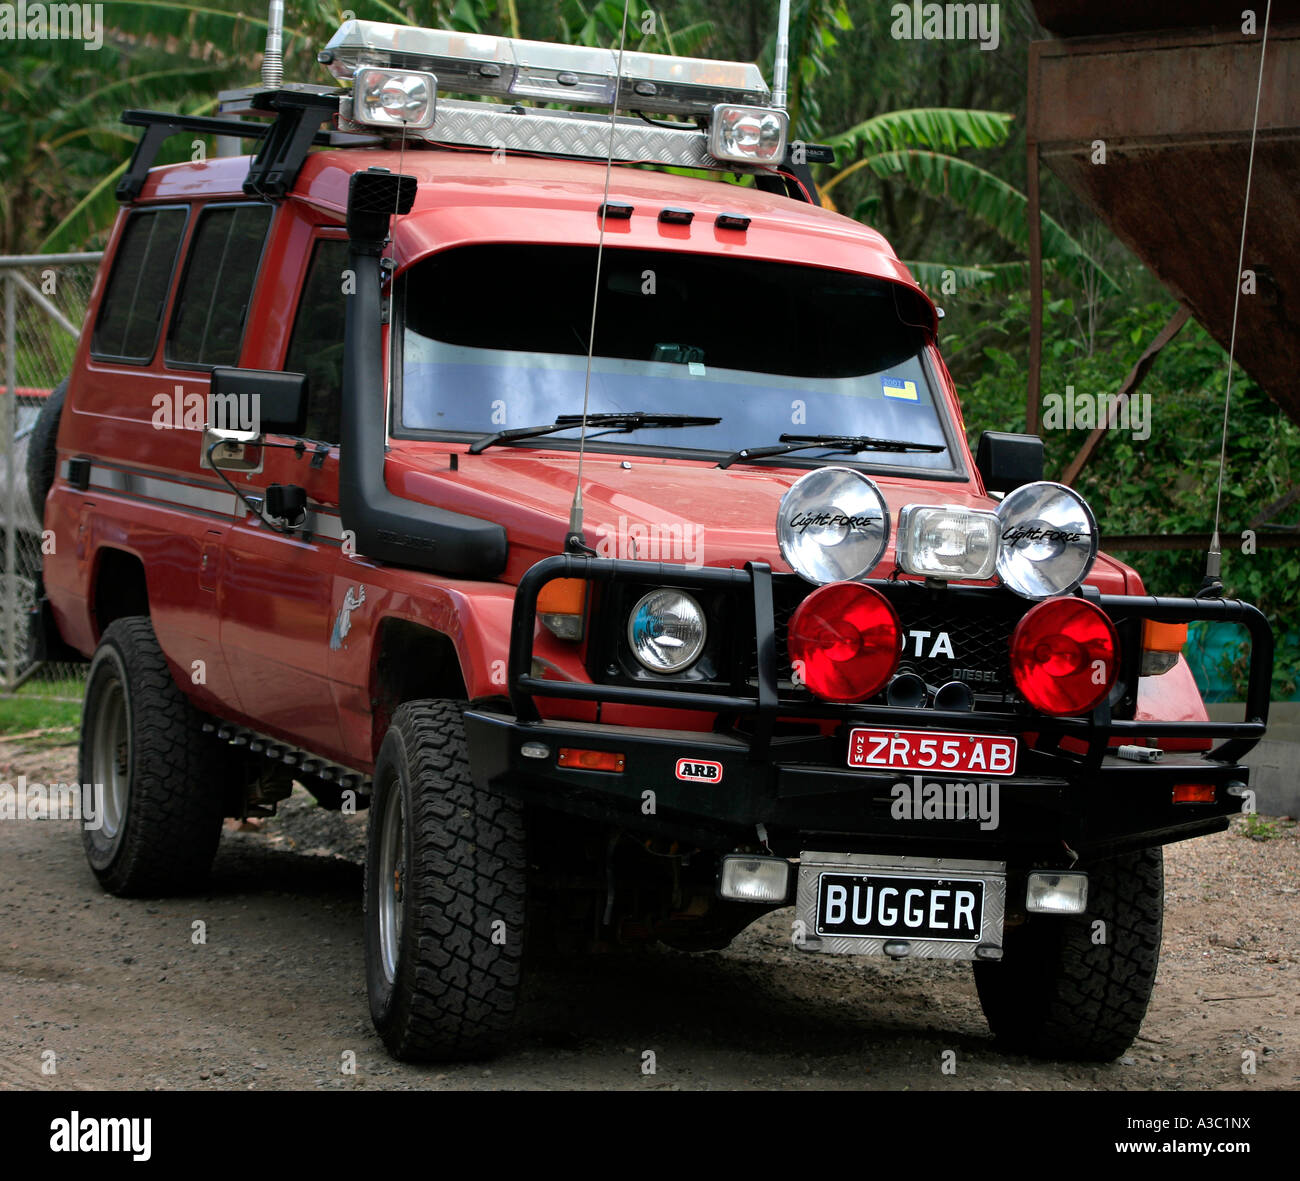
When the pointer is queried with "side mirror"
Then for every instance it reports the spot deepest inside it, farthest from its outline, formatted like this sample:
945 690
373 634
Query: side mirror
1006 461
260 401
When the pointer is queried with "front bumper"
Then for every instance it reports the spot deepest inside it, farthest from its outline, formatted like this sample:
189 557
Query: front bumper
1067 798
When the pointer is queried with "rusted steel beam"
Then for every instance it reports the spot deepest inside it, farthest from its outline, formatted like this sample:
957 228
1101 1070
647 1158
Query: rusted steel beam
1272 510
1173 112
1130 386
1164 542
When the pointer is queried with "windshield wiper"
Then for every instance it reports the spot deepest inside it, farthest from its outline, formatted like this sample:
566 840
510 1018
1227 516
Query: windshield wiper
845 444
618 422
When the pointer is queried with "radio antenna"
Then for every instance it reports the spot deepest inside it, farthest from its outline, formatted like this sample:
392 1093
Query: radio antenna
781 57
1212 585
575 542
273 58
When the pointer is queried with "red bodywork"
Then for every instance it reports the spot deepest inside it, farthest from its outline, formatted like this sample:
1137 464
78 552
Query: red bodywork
259 610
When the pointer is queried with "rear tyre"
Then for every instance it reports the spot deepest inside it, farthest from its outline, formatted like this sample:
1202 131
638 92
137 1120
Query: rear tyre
160 812
445 894
1070 988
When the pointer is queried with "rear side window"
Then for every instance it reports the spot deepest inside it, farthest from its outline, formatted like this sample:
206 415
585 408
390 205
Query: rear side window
208 325
132 308
316 347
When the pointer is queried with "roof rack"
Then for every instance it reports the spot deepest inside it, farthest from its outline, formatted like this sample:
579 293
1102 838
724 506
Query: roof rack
299 111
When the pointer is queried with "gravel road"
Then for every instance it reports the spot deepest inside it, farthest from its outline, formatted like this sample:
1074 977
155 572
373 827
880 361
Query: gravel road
108 993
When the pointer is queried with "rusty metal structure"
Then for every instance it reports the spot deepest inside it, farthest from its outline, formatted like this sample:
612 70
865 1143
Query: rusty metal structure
1145 111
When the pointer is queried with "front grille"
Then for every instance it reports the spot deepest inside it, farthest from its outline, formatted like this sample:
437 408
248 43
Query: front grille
977 628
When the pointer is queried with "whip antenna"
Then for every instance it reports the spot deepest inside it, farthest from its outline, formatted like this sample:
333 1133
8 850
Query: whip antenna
781 57
273 57
575 540
1212 585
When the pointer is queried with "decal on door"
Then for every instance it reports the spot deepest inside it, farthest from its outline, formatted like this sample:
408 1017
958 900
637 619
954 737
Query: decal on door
343 621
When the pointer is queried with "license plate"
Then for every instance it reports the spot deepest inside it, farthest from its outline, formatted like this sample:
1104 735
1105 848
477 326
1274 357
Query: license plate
920 907
931 750
876 906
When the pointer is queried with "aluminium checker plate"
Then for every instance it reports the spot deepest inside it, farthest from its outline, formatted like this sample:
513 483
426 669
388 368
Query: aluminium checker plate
563 133
991 873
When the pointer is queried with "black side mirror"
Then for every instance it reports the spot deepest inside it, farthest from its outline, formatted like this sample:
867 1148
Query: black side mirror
1005 461
260 400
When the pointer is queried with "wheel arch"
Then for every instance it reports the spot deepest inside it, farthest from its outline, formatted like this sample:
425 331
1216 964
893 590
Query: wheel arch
410 661
119 588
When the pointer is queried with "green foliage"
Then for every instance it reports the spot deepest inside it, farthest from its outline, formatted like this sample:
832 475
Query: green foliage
1167 482
1258 829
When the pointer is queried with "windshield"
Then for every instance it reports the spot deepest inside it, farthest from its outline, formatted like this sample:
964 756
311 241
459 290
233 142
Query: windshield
494 337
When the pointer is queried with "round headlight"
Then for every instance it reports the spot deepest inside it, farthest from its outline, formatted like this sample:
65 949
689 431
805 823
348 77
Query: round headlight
833 525
666 630
1049 540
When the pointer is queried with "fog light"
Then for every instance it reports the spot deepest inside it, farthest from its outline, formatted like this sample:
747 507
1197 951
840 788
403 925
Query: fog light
746 878
747 135
394 98
1056 893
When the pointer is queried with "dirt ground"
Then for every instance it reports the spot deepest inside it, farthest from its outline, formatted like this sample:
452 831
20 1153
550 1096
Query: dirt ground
115 994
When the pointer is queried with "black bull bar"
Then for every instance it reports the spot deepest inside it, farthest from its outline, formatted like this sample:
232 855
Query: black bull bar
762 705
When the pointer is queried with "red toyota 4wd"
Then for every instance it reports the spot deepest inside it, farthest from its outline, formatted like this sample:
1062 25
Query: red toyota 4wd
631 617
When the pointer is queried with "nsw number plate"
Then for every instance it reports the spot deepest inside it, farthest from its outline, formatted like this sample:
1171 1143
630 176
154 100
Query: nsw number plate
931 750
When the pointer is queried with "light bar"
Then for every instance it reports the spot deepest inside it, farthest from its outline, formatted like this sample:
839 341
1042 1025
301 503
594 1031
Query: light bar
471 63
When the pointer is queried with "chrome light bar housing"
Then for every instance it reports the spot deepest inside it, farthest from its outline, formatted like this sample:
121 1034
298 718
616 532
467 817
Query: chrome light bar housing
579 75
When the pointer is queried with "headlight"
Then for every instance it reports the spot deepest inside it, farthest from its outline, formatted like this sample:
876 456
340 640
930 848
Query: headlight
944 541
748 135
1049 540
666 630
833 525
394 98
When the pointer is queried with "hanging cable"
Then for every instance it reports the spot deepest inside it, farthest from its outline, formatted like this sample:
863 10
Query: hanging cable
1212 586
575 541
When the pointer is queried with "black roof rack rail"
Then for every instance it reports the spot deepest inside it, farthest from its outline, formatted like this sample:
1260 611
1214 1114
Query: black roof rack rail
299 111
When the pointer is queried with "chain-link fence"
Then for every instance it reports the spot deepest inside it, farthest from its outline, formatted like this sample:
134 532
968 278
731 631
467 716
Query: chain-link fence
44 299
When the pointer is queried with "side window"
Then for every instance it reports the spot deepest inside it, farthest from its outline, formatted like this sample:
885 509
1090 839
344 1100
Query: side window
131 311
316 346
208 325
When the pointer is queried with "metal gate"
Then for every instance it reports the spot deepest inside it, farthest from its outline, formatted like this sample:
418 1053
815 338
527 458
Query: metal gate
44 297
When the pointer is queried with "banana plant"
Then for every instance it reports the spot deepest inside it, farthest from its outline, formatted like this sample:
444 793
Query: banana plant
919 147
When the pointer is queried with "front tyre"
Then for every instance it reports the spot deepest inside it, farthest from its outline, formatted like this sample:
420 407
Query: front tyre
445 889
156 775
1078 987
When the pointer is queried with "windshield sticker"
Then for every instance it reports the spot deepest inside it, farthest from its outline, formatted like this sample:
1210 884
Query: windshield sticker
896 387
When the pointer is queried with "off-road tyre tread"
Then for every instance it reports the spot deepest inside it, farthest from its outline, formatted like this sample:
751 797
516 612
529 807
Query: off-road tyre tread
456 998
1056 994
174 814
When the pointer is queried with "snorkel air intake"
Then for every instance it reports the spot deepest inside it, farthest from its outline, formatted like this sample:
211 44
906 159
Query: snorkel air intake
390 528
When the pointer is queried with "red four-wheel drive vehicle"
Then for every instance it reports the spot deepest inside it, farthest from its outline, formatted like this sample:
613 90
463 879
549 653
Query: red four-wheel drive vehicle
628 643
